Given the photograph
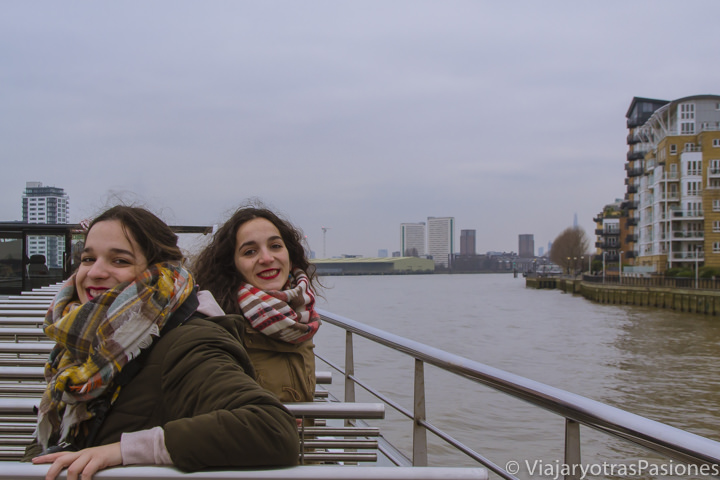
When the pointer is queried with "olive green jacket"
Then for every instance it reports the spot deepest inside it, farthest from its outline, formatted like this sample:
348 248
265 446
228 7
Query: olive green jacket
197 384
286 369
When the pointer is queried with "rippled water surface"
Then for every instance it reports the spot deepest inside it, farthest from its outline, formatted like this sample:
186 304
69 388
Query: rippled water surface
656 363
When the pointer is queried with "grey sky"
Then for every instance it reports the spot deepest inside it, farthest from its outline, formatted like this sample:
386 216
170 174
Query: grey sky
509 116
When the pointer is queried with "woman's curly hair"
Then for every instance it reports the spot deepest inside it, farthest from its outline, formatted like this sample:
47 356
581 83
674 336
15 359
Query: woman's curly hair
214 267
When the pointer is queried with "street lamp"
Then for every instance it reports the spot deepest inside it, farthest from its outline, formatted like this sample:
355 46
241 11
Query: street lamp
620 269
582 262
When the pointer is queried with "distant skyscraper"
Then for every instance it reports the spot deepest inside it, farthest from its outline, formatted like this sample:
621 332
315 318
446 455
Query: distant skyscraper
49 205
541 250
382 253
526 245
575 220
441 238
467 242
412 239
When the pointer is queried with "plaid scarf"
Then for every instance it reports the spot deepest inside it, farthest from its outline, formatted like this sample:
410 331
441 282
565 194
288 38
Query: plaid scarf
95 340
288 315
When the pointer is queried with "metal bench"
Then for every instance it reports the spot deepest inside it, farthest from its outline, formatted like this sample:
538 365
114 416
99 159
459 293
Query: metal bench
318 443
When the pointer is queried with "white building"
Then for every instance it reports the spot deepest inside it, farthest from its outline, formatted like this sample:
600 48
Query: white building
441 239
49 205
412 239
677 206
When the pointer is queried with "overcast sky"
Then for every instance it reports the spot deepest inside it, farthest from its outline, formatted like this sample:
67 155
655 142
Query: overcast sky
353 115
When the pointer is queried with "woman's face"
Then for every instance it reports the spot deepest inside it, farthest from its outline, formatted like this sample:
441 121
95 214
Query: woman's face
261 256
109 258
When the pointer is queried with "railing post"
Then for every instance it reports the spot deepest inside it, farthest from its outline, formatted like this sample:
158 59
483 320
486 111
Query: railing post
349 368
572 449
419 432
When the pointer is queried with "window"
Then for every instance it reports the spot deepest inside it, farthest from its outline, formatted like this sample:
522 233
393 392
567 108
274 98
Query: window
716 226
716 205
687 111
673 148
716 142
714 166
687 128
688 147
716 247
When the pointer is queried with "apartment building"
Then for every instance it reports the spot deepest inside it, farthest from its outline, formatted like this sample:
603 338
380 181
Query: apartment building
412 239
468 242
673 177
611 232
526 245
49 205
441 239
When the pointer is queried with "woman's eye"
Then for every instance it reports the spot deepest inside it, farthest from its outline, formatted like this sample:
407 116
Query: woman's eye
248 253
87 260
122 261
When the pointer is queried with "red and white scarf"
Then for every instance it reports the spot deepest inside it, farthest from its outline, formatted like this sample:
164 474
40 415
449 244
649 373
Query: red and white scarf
288 315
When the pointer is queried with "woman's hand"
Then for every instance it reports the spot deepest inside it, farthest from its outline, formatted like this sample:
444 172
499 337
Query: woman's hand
81 465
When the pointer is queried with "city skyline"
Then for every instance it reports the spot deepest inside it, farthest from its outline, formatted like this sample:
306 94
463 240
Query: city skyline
356 116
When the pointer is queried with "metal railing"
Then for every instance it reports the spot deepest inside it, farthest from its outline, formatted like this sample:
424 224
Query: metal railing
655 281
577 410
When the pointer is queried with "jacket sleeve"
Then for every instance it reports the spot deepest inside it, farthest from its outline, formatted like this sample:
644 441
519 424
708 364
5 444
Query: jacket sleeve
220 417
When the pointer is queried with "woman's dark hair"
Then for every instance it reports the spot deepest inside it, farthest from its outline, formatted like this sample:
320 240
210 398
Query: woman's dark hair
215 269
156 240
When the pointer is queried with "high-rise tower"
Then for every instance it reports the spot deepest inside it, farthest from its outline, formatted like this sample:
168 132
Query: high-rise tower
412 239
441 239
45 205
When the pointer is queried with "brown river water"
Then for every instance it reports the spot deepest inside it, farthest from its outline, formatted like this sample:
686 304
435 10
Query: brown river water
657 363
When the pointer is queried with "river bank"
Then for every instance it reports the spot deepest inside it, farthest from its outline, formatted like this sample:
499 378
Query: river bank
680 299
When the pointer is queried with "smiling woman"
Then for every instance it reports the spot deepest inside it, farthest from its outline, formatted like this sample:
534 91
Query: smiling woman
255 267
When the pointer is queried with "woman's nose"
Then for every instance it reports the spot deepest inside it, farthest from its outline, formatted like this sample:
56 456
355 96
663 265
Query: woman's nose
265 256
98 270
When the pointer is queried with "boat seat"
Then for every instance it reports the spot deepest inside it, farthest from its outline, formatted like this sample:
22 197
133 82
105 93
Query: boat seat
318 442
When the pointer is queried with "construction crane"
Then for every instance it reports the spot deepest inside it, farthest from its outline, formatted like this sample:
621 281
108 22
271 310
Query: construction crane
324 229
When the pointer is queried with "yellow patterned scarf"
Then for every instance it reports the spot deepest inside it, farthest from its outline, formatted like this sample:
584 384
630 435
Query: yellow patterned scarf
97 339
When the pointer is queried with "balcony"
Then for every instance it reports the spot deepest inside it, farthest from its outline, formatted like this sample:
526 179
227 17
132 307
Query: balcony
632 221
630 254
630 204
689 235
687 214
688 256
632 189
635 156
635 172
632 139
631 238
714 172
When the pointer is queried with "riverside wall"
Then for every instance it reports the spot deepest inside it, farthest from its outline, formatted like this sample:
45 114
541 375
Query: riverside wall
683 300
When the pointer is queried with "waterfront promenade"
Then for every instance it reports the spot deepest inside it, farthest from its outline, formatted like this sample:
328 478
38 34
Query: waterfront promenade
680 294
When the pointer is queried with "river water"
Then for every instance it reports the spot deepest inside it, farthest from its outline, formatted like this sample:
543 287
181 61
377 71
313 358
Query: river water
657 363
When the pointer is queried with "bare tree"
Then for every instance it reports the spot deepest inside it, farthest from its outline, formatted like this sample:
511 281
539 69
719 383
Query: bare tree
570 249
